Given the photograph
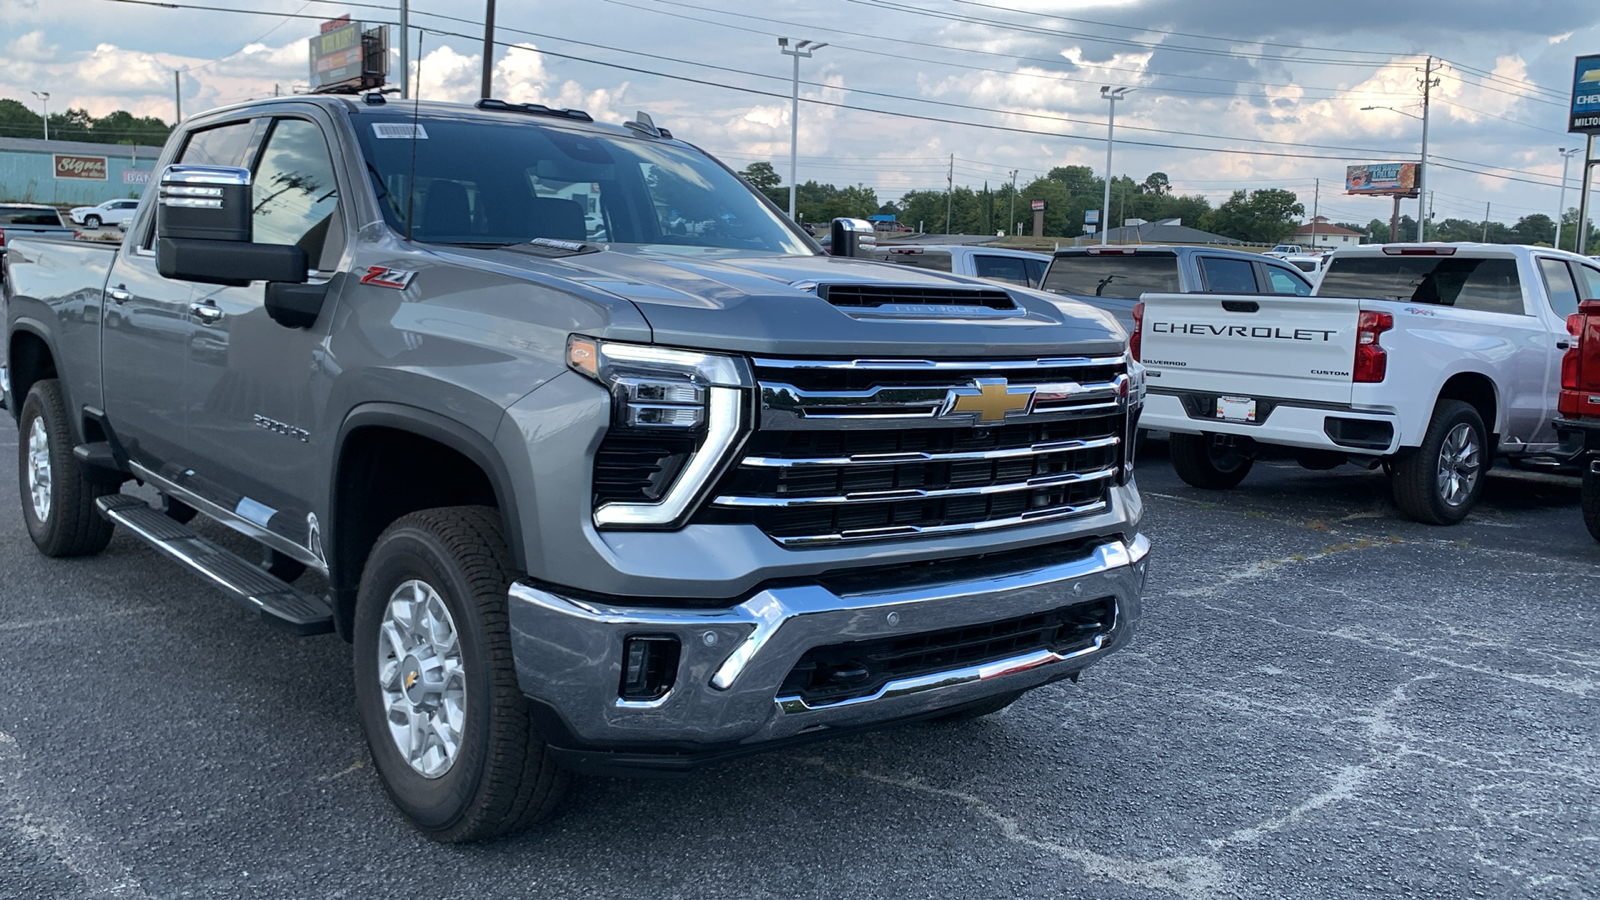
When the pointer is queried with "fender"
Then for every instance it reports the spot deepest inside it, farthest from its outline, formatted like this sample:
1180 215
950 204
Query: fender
1465 367
38 330
446 431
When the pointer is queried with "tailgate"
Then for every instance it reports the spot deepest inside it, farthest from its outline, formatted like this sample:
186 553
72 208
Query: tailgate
1251 345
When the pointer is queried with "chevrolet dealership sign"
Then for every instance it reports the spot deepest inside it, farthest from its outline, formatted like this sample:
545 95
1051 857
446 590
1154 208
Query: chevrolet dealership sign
1585 96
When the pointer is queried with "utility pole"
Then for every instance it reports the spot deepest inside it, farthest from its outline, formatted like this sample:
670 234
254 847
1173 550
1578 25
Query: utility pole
177 96
1583 198
1112 95
803 49
405 48
488 51
1011 214
44 102
1428 84
949 192
1316 201
1561 206
1485 237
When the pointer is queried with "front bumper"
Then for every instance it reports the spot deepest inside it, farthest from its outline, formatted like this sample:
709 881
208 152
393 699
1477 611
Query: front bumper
727 697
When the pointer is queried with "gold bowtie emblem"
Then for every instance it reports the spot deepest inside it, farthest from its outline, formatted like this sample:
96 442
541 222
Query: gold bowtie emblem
411 679
991 399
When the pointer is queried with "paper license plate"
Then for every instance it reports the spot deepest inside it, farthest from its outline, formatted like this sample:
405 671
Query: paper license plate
1236 409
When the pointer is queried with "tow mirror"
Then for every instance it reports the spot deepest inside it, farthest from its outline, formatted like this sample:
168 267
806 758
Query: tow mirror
203 231
851 237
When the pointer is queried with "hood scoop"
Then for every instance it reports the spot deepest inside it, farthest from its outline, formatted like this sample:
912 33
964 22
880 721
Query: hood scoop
920 301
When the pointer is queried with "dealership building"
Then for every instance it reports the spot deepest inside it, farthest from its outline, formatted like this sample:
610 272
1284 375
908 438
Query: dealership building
70 173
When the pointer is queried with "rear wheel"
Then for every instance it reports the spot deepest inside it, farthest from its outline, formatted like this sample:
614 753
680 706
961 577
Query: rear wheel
1591 501
436 685
1215 462
1441 482
57 500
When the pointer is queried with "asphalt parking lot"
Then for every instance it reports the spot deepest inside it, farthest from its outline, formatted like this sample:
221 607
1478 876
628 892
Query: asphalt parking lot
1324 700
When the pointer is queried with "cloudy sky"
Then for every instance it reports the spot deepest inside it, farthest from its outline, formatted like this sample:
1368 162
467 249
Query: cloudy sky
1229 93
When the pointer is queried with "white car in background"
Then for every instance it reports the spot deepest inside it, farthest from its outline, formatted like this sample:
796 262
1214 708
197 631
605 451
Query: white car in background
1310 263
111 212
1018 267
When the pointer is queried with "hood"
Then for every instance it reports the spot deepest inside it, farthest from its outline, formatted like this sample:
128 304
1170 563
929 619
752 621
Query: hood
715 299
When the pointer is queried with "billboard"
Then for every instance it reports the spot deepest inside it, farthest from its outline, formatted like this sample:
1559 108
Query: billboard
92 168
1382 179
345 57
1585 118
1036 205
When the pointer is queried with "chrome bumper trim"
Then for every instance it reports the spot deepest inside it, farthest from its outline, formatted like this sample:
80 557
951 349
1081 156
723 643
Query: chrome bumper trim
883 459
734 661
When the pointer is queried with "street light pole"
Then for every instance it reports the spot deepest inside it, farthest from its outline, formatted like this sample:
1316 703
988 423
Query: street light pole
1561 206
405 48
1428 83
1113 95
1011 214
488 51
44 103
801 49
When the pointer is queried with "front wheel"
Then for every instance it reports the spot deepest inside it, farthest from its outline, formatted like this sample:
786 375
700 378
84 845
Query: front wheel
1215 462
57 500
436 685
91 221
1441 482
1591 501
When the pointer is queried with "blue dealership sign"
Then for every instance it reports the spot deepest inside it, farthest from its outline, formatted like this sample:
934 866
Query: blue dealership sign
1585 96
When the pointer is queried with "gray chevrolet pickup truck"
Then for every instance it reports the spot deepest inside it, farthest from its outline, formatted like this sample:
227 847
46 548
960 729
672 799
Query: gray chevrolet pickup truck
605 466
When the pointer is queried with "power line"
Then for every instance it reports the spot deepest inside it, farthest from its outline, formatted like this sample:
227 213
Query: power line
249 44
164 4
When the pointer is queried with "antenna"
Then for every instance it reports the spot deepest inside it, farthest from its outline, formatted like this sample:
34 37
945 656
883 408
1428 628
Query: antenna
416 108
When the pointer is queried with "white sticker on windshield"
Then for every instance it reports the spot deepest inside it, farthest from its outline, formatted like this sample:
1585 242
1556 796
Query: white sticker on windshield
404 131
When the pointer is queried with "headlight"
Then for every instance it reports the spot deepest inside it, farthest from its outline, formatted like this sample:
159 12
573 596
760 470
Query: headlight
676 418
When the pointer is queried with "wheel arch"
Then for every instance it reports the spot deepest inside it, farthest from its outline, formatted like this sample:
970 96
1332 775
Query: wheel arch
364 463
1478 391
30 357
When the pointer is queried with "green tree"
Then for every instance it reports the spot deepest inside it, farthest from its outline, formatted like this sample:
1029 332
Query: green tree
1258 217
1156 183
762 175
1537 228
120 127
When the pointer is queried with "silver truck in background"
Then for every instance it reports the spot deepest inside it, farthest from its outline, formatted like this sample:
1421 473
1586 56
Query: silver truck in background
607 467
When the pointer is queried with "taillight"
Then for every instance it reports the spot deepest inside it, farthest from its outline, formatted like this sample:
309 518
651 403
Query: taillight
1569 360
1138 330
1372 363
2 237
1580 365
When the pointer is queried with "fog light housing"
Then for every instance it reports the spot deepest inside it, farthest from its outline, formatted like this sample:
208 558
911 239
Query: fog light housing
649 667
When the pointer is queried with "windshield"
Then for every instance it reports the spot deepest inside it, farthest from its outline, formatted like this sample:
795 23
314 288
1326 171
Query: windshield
1119 276
507 182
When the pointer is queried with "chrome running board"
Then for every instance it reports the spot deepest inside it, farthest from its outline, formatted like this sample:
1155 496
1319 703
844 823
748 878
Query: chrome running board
280 604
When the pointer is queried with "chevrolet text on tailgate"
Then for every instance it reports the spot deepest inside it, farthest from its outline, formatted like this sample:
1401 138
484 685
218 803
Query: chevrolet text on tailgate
606 466
1431 360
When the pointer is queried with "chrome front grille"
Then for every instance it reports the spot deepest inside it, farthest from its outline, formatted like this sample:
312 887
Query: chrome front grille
875 450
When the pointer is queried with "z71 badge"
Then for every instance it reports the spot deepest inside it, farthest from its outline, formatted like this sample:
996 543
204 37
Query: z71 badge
382 276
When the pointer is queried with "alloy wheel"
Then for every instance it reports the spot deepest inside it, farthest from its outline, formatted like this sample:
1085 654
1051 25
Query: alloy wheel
423 679
39 475
1459 464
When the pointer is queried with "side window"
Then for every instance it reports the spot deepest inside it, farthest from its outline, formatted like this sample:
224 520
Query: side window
1282 281
1559 285
1228 276
1588 282
225 145
1036 270
1008 269
295 196
1489 285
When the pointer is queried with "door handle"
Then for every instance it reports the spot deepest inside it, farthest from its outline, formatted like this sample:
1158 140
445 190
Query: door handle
1563 345
207 313
1241 306
119 294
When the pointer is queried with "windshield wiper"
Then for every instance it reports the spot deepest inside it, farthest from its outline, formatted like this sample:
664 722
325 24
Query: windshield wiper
553 247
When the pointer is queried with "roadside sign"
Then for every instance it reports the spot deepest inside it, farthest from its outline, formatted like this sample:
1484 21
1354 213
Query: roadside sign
136 176
344 56
1585 118
1091 217
1037 205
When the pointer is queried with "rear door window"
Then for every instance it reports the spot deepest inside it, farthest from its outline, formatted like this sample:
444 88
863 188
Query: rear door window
295 194
1228 276
1036 268
1588 281
1559 286
1008 269
1120 276
11 215
937 260
225 145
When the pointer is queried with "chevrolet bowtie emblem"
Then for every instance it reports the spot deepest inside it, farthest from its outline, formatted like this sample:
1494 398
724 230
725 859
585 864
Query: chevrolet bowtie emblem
411 680
991 400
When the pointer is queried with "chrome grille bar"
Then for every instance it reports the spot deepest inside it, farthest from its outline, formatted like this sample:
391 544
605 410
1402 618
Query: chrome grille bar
879 459
923 365
879 534
1040 482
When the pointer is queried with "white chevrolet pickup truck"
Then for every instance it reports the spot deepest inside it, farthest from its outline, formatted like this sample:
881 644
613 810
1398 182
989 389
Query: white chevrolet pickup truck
1431 360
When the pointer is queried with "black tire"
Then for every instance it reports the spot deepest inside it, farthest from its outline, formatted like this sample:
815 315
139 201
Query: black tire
1419 490
70 524
91 221
1213 462
502 779
979 710
1591 502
